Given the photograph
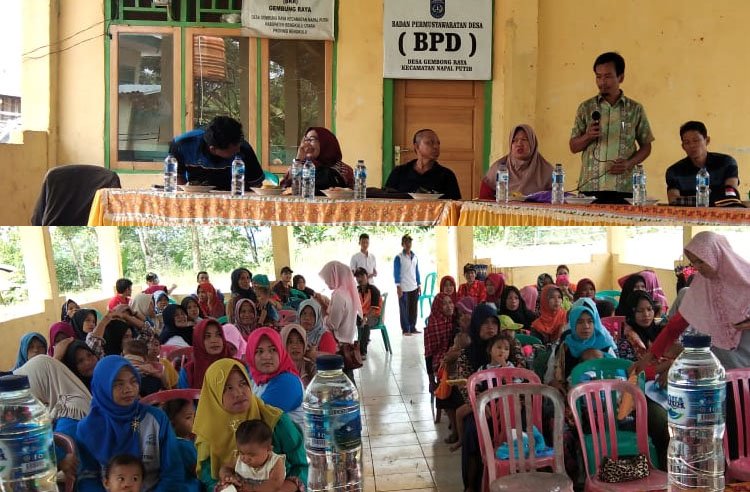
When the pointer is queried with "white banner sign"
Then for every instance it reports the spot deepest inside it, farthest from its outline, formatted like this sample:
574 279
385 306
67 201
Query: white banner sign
437 39
289 19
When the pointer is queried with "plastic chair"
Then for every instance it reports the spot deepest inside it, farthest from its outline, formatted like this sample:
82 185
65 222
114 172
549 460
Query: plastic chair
178 356
269 176
612 296
598 369
223 320
428 292
69 446
528 339
174 394
602 421
613 324
491 378
506 402
739 385
287 316
381 324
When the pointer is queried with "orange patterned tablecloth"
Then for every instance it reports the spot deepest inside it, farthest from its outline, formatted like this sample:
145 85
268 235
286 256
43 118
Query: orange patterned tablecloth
154 208
543 214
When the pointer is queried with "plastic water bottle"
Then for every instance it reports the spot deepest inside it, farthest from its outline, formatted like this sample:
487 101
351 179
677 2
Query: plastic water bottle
360 181
502 181
170 174
308 180
238 176
695 395
639 185
296 172
27 452
558 185
333 429
702 187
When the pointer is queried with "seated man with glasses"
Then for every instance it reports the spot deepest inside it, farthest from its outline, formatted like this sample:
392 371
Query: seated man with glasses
322 148
205 156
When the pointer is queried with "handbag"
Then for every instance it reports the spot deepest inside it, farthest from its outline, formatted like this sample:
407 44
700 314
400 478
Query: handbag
351 354
623 469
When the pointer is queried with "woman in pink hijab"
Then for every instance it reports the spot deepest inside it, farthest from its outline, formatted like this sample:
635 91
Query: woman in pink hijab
345 304
529 171
716 303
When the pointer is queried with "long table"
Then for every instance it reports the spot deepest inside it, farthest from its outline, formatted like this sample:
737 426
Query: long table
152 208
155 208
477 213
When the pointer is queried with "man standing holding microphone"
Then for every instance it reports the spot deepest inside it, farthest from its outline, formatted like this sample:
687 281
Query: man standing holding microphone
606 130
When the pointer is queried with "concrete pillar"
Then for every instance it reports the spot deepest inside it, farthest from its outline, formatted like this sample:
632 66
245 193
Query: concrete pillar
110 259
39 264
282 254
455 247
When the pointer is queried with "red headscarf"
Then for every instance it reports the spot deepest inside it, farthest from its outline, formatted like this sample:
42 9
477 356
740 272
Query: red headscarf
498 280
214 306
448 278
54 330
330 153
286 364
438 334
196 368
580 285
549 322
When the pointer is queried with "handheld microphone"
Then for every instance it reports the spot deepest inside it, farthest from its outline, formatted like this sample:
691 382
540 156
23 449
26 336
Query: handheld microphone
596 116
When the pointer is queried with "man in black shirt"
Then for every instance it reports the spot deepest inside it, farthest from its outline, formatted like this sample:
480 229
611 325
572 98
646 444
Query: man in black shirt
721 168
205 156
424 174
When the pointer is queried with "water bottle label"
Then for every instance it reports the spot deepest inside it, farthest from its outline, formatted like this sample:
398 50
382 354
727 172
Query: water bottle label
24 457
696 406
338 431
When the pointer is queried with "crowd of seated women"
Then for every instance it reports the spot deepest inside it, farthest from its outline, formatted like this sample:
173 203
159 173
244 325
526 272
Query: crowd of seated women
246 365
93 369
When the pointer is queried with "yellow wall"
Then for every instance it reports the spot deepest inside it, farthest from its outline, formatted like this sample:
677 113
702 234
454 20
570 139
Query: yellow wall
685 60
23 168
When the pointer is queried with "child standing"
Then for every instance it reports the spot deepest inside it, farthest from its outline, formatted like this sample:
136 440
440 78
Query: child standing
256 462
124 473
181 415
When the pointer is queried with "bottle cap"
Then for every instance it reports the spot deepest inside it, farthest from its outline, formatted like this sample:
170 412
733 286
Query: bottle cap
14 382
696 341
329 362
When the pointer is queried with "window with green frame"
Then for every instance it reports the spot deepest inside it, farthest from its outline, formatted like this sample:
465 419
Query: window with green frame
173 68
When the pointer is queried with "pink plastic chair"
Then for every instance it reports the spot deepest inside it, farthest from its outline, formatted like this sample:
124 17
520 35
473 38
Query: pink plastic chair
613 324
491 378
739 385
69 446
178 356
167 395
600 402
521 471
287 316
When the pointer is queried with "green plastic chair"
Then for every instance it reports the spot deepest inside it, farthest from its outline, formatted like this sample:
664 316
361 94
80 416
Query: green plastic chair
428 292
612 296
611 368
223 320
381 325
527 339
269 176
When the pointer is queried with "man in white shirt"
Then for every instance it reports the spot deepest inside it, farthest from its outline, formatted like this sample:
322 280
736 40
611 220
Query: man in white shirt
363 258
408 286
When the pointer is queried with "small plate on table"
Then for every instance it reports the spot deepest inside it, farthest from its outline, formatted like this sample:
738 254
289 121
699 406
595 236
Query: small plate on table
196 188
425 196
268 191
339 193
579 200
650 202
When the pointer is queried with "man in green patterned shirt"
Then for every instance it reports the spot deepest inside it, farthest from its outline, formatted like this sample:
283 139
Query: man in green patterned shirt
606 130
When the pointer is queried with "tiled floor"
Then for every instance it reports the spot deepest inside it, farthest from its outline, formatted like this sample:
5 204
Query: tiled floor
402 448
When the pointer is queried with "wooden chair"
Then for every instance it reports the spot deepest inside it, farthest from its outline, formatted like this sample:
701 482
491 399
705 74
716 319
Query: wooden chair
600 400
504 404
